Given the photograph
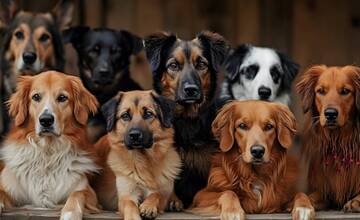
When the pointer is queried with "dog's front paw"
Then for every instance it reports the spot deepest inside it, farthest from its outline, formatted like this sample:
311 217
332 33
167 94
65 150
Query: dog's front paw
175 205
352 206
71 215
303 213
148 211
232 215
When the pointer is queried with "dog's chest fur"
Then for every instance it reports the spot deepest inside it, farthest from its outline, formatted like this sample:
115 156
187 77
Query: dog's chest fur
44 174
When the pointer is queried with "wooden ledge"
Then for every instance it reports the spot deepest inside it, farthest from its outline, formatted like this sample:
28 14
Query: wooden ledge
26 214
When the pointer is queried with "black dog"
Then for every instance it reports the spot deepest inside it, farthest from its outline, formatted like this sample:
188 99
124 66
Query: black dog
104 59
186 71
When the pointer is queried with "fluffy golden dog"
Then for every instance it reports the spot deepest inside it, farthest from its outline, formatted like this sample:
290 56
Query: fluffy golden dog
142 162
46 155
253 173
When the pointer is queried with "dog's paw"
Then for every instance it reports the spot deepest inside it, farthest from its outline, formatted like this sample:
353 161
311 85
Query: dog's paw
352 206
71 215
232 215
303 213
148 211
175 205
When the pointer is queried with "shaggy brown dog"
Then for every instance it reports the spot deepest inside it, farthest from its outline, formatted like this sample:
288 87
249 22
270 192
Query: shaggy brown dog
142 162
253 173
331 101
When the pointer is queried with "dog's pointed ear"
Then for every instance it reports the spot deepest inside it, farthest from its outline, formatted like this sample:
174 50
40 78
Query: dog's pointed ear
290 69
234 61
155 45
134 42
63 13
164 109
109 110
8 10
18 103
285 125
215 46
75 35
223 127
84 102
306 86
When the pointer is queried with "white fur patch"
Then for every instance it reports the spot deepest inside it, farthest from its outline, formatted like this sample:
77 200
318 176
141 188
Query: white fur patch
44 173
303 213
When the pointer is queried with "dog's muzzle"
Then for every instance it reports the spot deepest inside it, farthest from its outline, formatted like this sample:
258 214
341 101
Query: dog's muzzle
189 93
257 153
137 138
46 121
331 116
264 93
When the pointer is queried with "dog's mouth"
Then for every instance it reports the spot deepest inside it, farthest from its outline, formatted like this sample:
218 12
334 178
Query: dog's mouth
257 161
331 124
138 146
48 132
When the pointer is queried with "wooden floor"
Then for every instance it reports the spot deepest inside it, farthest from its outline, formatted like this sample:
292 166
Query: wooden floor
50 214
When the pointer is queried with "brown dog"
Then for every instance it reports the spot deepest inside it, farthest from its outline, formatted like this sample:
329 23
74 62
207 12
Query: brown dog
253 173
142 162
46 154
331 101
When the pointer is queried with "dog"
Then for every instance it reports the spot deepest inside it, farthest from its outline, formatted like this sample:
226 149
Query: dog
46 156
103 61
31 43
186 72
331 101
253 173
140 160
258 73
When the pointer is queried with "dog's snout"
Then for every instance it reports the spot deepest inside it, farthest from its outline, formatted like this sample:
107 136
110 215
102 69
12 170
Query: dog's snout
29 58
135 135
46 120
192 91
257 151
264 92
104 72
331 114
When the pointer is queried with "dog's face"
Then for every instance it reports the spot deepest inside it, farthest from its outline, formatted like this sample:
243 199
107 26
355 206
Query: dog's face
330 93
255 128
259 73
104 54
185 71
50 103
138 118
32 41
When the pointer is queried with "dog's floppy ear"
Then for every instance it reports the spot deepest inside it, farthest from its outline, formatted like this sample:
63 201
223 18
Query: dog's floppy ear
8 10
290 69
84 102
63 13
155 45
356 80
165 109
223 127
215 45
134 42
109 110
234 61
75 35
19 101
306 86
285 125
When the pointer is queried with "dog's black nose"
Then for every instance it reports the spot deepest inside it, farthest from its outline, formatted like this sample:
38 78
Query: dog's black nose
264 92
331 114
29 58
46 120
257 151
135 136
192 91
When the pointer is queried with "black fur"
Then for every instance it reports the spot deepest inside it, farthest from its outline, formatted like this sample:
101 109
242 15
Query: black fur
108 110
165 110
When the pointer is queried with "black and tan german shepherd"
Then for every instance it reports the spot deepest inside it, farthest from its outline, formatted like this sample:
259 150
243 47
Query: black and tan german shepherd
186 72
31 43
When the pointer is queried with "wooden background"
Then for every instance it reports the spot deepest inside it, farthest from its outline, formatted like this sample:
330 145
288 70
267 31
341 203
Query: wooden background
310 31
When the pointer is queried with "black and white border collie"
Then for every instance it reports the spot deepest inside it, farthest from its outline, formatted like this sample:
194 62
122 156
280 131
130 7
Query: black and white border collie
258 73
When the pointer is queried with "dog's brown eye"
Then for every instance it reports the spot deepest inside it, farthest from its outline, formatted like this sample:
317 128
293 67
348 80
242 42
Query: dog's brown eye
36 97
173 66
96 49
148 114
201 65
19 35
344 91
44 37
268 127
62 98
243 126
126 116
321 91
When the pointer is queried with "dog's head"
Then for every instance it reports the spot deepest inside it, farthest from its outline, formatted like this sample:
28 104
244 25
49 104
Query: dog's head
32 41
259 73
330 94
51 103
104 54
138 118
256 128
185 71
